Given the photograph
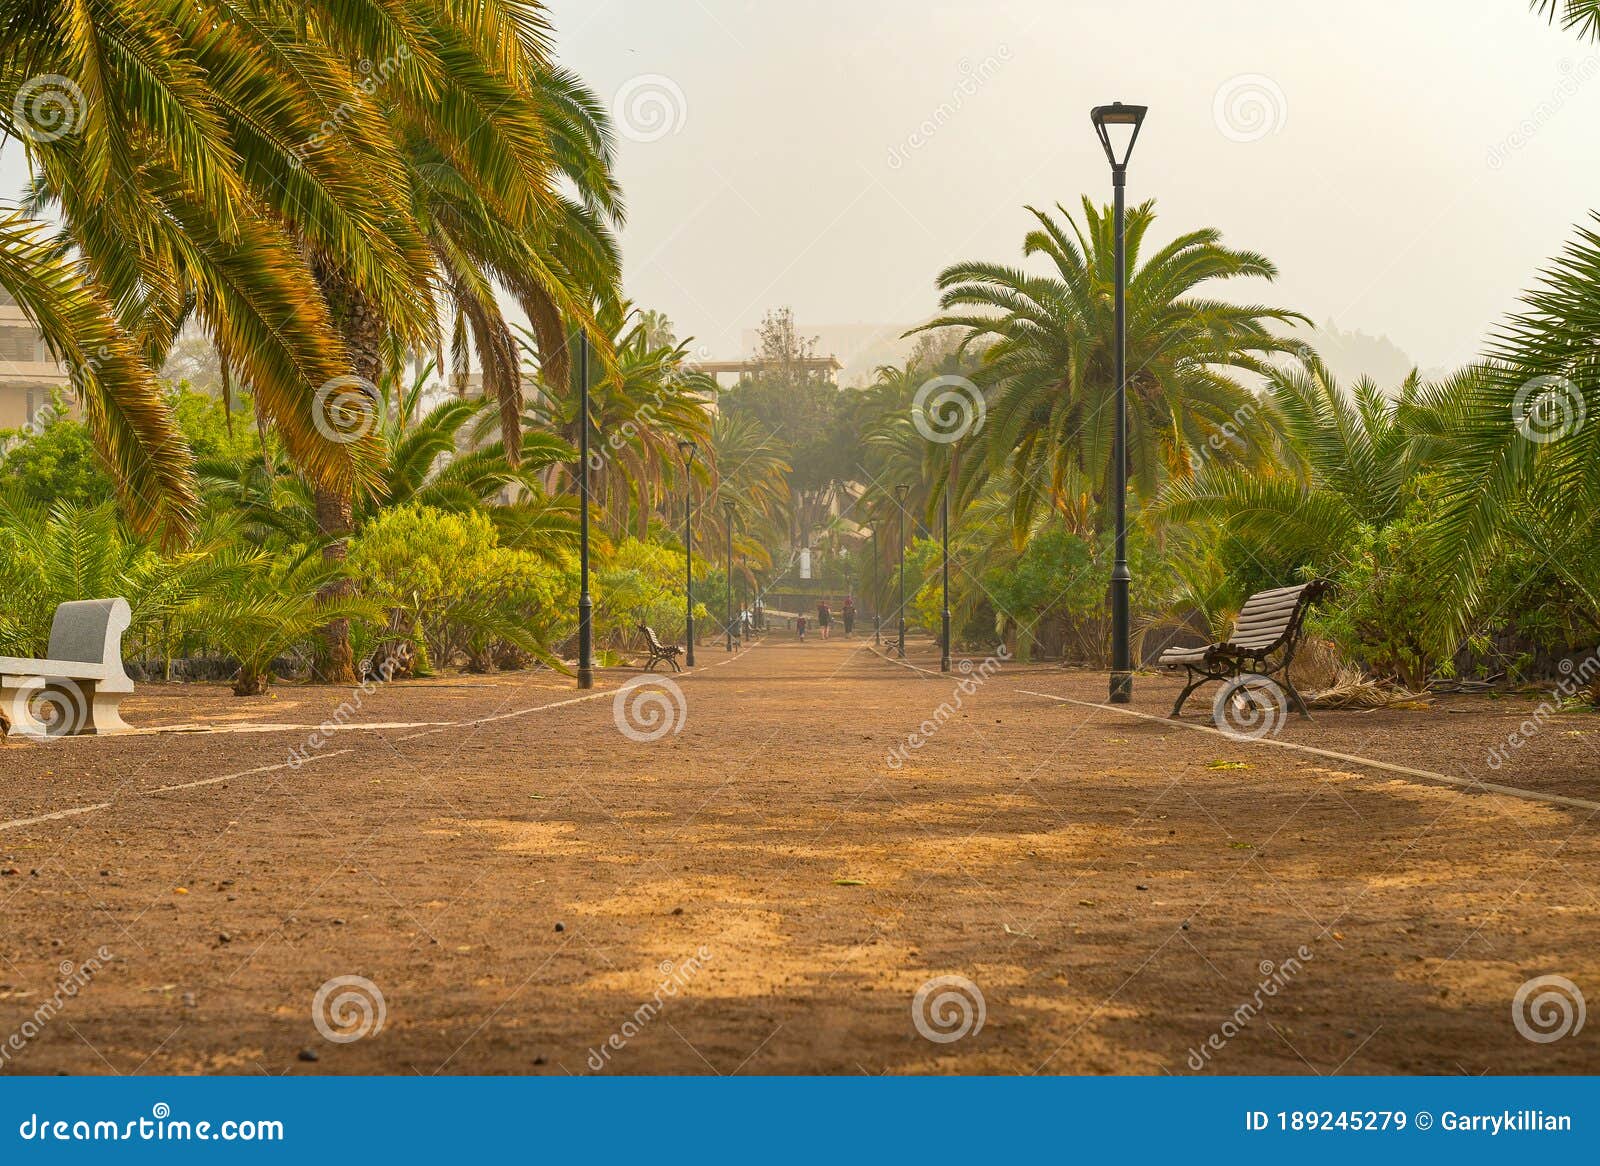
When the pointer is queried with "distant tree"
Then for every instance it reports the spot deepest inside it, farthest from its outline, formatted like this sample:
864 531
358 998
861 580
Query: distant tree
803 410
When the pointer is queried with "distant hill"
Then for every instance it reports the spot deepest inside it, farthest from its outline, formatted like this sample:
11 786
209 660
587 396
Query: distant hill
1353 355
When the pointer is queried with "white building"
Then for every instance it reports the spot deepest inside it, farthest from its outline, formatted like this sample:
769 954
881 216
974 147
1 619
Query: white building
27 372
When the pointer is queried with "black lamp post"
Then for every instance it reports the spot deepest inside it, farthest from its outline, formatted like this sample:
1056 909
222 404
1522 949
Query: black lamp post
944 534
877 592
1123 121
900 497
688 449
585 603
727 508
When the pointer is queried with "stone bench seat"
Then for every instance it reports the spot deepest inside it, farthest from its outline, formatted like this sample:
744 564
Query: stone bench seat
81 683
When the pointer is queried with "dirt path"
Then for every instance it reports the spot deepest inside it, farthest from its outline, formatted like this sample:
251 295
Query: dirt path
766 889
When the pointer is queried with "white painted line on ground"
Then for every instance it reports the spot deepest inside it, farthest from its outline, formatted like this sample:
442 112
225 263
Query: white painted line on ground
1510 791
297 764
18 823
539 708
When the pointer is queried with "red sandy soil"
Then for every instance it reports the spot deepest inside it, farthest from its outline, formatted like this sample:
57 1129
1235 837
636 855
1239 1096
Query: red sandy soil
522 883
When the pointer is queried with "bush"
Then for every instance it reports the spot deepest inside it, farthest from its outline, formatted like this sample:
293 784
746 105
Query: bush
642 582
455 592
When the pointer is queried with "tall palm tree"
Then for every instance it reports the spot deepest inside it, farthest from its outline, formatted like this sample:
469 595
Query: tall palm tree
182 149
1048 370
488 130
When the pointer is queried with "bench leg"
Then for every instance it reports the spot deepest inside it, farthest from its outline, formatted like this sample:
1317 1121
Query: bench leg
105 714
1294 695
650 665
673 660
1177 705
79 709
15 696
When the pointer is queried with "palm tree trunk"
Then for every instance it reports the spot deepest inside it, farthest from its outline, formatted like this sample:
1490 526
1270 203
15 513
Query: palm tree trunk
362 329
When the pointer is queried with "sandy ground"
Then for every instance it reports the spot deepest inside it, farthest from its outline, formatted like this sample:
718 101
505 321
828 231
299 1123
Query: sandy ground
767 888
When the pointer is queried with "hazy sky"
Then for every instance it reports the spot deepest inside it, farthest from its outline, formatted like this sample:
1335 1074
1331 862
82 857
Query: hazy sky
1408 166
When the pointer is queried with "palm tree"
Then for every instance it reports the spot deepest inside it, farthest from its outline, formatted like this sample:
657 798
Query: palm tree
122 401
1048 368
301 179
274 609
750 465
1523 465
192 178
1344 460
1581 15
639 410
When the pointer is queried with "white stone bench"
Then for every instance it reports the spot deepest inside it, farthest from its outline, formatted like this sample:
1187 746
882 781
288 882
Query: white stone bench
82 682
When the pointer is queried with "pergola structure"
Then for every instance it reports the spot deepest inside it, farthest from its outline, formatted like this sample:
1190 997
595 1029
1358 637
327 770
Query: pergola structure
719 368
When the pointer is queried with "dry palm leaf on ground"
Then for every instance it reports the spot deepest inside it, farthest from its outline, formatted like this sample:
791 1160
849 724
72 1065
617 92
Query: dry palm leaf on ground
1353 689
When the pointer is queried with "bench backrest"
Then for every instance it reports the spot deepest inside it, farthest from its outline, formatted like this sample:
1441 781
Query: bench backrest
89 631
1270 618
650 634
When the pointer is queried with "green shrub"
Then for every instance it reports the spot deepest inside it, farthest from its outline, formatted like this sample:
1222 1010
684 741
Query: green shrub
450 586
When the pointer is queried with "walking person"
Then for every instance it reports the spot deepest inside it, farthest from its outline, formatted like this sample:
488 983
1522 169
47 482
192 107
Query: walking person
849 615
800 625
824 617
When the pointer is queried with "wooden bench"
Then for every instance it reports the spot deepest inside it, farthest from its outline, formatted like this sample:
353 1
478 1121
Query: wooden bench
1262 643
658 650
82 681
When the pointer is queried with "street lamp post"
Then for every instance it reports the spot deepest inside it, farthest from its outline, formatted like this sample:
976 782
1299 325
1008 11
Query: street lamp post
585 603
1123 121
727 508
900 497
944 534
688 449
877 592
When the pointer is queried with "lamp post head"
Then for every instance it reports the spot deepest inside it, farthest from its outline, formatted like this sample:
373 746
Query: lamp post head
687 449
901 491
1118 128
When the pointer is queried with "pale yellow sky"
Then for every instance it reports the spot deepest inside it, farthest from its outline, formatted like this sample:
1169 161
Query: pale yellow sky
1408 166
